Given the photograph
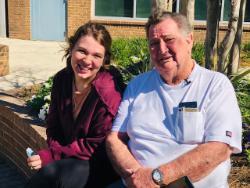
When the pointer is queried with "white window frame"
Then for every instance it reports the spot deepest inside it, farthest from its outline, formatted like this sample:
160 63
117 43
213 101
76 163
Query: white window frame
202 22
196 22
222 13
93 16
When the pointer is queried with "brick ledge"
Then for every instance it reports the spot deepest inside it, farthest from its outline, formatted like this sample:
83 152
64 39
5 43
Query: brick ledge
19 130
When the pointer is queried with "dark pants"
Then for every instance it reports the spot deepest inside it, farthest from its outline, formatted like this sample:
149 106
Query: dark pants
65 173
117 184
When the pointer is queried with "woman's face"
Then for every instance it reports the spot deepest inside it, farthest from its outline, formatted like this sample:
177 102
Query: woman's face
87 57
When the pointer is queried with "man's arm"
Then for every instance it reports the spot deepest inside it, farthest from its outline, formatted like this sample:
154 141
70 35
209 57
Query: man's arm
119 154
197 163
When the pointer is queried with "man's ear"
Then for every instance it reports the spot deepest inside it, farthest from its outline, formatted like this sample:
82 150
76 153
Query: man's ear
190 39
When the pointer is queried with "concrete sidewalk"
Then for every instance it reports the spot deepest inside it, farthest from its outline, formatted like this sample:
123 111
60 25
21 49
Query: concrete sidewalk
31 62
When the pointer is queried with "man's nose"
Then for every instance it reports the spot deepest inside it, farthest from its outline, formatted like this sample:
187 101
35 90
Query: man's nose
163 47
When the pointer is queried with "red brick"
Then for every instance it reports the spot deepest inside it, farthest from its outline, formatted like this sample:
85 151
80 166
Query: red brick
16 134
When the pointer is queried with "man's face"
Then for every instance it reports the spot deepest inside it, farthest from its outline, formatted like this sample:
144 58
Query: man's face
170 49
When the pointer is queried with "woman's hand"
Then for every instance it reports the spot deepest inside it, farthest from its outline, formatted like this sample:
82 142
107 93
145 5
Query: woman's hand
34 162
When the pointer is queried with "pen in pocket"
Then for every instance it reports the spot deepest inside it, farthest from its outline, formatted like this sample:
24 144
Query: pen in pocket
183 109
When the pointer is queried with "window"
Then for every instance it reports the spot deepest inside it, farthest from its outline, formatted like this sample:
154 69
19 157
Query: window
140 9
123 8
200 12
226 9
247 13
143 8
116 8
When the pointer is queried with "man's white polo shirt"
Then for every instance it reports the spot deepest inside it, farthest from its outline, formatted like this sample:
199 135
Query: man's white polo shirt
159 132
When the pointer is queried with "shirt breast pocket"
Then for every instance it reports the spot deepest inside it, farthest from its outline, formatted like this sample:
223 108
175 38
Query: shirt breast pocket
189 128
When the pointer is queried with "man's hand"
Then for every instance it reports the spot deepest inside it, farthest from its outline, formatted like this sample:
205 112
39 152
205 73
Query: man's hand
141 178
34 162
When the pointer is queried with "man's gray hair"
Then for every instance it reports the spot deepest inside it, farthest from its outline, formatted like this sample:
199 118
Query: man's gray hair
179 19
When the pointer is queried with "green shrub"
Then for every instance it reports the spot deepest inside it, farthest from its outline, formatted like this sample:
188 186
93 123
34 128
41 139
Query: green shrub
246 47
246 52
248 155
131 56
198 53
242 89
124 49
40 102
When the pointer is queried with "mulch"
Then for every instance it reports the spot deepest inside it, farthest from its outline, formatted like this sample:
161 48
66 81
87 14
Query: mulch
240 172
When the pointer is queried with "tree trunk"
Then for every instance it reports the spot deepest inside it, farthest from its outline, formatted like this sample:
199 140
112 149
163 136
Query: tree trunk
213 17
234 57
228 40
187 9
159 6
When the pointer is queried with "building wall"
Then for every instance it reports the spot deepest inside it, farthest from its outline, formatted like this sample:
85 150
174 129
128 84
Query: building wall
200 33
136 29
19 19
79 12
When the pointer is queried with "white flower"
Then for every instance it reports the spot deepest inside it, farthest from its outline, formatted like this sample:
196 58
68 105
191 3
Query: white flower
43 111
47 98
46 106
42 114
47 85
33 97
135 59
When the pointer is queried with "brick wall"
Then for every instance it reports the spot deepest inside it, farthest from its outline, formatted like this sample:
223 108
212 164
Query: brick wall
78 14
246 34
118 31
4 60
200 34
17 133
19 19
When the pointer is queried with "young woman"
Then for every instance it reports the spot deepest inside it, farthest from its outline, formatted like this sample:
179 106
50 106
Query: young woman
84 100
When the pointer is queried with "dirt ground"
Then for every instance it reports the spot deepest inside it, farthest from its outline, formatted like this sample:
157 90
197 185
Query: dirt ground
240 172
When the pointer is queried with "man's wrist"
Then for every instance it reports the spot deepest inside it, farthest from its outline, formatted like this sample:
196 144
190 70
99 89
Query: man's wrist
157 177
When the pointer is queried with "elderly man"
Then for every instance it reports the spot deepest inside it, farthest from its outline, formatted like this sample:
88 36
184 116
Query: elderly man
177 120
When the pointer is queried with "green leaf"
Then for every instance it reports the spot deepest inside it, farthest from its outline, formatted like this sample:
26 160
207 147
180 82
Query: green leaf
240 75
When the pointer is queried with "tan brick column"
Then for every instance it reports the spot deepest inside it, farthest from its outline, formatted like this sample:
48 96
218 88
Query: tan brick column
4 60
79 13
19 19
